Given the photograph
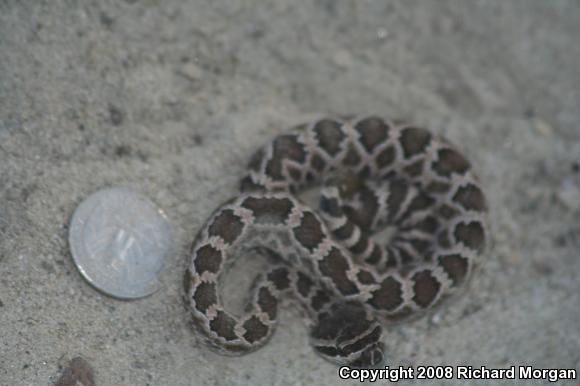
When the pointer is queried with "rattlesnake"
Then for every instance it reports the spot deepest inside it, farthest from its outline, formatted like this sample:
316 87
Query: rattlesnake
374 174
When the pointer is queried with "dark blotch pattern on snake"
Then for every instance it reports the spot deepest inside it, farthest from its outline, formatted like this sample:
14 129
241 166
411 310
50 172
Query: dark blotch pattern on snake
372 174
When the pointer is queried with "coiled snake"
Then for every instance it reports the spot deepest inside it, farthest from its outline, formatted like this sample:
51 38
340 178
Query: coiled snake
373 174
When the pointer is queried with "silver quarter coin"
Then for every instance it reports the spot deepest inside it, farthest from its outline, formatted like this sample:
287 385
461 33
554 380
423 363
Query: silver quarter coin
118 240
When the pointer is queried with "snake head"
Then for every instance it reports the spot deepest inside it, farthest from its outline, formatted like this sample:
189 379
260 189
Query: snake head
347 334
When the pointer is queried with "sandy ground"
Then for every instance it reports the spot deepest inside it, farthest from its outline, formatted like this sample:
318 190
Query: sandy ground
171 98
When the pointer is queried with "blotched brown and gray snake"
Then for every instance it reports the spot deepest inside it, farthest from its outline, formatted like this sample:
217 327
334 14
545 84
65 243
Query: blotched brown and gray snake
373 174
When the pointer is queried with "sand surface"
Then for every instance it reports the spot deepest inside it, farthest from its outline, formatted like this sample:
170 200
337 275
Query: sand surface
170 98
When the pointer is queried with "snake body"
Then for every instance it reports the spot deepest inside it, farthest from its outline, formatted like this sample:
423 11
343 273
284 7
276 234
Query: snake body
373 174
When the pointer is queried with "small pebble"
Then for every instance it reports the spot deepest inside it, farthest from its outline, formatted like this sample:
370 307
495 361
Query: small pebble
78 372
569 195
542 127
436 318
542 267
343 58
382 33
191 72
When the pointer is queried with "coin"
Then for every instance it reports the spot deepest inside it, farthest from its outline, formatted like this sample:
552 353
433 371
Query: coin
118 241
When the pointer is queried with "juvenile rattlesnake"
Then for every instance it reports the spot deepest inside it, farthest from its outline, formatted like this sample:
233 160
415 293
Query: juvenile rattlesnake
374 174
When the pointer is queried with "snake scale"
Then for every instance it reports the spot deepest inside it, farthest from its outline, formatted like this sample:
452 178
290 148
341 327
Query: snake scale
372 174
